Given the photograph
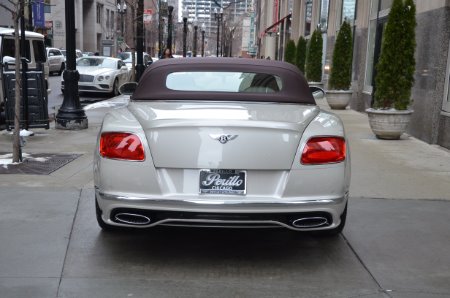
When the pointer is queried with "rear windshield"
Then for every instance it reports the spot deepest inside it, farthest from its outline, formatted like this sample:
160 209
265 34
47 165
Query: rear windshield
233 82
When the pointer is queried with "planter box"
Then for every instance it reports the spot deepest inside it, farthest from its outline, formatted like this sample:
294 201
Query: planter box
389 124
339 99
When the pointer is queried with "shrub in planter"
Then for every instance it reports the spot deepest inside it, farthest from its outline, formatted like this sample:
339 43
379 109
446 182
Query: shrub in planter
289 53
340 76
300 54
395 69
314 57
339 95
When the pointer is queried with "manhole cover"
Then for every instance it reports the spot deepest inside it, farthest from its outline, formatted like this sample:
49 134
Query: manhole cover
36 164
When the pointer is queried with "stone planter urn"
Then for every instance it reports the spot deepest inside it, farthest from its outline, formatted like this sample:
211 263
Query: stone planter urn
389 124
339 99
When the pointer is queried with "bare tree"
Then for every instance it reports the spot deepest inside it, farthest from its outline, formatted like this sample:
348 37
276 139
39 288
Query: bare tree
15 7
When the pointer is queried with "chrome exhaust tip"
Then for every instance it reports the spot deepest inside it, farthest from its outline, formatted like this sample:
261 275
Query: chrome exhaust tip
132 219
310 222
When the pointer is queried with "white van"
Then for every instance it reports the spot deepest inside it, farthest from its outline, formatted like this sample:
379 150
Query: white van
35 52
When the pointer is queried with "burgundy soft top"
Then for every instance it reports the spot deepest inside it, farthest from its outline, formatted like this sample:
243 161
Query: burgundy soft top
152 85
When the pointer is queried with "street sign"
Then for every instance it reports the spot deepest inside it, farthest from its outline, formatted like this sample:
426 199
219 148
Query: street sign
148 16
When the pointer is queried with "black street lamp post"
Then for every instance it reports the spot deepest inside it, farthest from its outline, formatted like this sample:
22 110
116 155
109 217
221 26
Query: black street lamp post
140 40
160 29
70 115
121 9
223 38
231 40
169 29
185 19
194 44
203 39
218 16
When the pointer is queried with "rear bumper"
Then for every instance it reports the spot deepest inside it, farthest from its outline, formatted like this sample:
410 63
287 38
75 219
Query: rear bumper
320 213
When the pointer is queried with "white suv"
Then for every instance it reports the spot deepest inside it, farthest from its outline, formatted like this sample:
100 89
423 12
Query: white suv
56 60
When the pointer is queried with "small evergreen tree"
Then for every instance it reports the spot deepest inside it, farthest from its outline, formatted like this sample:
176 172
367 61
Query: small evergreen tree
289 53
340 76
395 68
314 57
300 54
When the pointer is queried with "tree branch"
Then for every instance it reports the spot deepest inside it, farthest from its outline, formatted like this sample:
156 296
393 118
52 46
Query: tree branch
229 4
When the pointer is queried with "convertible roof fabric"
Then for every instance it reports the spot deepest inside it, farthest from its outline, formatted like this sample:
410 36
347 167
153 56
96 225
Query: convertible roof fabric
152 85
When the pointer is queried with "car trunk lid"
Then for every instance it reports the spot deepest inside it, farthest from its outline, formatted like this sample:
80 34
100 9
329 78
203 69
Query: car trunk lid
219 135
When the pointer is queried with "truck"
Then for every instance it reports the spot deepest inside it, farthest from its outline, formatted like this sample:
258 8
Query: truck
35 54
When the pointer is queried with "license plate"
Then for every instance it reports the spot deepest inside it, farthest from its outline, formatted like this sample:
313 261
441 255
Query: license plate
228 182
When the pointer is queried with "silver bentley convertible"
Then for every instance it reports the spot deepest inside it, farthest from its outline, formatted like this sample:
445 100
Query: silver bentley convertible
222 142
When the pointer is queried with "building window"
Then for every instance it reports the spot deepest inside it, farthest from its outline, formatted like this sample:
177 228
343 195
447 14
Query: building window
308 17
378 20
47 6
446 103
324 11
107 19
348 11
112 21
99 13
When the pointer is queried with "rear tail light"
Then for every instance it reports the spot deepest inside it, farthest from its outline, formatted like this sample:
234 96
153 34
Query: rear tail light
323 150
121 145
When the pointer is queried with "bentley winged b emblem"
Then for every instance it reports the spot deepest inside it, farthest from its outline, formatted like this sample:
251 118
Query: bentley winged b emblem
223 139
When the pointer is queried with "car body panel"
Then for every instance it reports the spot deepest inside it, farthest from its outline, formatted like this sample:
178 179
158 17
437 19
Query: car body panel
93 78
180 141
56 60
196 126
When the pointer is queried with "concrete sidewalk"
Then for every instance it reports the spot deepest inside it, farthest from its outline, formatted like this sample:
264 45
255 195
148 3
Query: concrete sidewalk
395 243
405 169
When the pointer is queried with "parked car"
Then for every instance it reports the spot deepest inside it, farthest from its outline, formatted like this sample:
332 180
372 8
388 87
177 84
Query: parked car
127 58
100 74
78 53
56 60
222 142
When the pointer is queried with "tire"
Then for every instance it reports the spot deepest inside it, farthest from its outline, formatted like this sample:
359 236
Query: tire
63 66
336 231
115 90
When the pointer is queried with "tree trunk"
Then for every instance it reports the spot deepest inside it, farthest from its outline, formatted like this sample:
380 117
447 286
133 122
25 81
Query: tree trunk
17 156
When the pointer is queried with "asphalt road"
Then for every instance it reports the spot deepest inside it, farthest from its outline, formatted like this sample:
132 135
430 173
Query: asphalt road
55 98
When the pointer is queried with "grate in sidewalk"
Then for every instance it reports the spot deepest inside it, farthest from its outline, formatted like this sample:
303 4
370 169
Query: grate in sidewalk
38 164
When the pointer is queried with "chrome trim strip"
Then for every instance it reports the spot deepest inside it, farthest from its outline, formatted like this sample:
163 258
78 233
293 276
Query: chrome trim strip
208 223
229 202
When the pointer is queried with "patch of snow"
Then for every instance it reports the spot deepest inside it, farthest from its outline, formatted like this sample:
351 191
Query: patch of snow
6 159
26 133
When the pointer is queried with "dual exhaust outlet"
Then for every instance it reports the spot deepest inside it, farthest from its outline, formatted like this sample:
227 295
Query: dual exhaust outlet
300 223
132 219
